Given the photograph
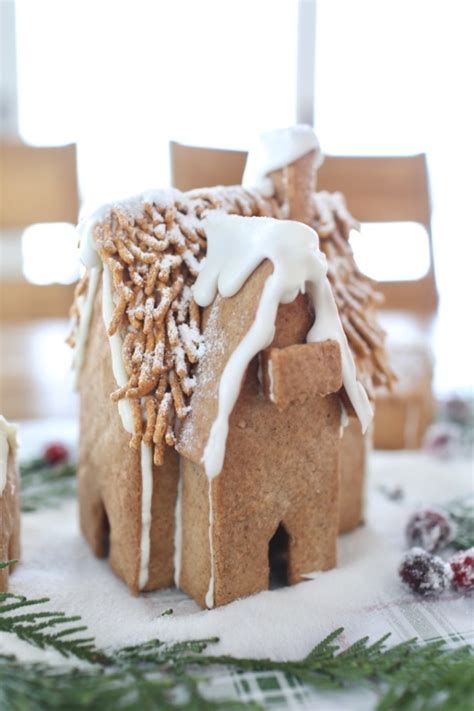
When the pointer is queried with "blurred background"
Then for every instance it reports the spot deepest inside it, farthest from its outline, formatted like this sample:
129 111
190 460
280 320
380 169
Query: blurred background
93 92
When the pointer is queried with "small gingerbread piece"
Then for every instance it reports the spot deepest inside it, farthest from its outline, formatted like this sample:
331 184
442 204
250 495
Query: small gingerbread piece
9 500
300 372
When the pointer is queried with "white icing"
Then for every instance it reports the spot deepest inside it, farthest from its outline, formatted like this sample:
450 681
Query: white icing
135 208
146 462
125 412
178 530
8 441
275 150
236 246
270 380
86 306
210 591
344 419
115 343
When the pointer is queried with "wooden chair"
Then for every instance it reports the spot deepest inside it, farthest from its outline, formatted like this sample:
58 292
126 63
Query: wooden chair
388 189
36 185
377 189
396 189
197 167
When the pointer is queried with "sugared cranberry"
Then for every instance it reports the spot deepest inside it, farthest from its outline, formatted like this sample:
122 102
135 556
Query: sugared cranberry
429 529
462 565
55 453
423 573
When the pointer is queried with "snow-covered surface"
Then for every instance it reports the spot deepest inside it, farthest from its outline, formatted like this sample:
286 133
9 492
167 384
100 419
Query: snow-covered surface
363 594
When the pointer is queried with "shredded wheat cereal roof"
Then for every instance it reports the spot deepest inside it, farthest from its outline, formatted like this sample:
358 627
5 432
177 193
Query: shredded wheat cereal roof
153 257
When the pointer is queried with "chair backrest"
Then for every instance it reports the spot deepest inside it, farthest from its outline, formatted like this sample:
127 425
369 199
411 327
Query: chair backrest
196 167
377 189
388 189
36 185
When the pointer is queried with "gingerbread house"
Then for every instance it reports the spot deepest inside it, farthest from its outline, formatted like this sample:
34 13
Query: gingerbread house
213 394
9 500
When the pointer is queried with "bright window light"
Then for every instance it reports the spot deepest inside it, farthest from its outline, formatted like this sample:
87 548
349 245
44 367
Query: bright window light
391 251
49 251
122 79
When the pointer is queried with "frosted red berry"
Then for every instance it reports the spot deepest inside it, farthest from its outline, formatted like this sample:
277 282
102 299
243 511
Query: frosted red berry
424 573
429 529
55 453
462 565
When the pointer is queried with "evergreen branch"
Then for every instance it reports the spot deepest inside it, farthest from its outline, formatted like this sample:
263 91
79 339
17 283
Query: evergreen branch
7 563
152 675
39 628
410 675
45 485
462 513
128 687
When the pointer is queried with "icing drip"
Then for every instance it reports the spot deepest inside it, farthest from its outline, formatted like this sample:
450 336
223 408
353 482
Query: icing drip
91 259
270 378
210 591
344 419
276 150
115 343
85 314
125 412
178 531
146 460
236 247
8 441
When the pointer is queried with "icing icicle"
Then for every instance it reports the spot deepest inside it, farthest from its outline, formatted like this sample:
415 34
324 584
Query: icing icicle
275 150
146 465
86 307
236 247
91 259
8 441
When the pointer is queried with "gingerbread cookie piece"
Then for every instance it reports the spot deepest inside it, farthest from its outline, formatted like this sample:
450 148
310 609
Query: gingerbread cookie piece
9 500
280 468
211 423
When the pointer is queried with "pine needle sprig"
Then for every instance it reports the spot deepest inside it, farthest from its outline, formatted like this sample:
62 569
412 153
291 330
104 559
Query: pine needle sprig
46 629
45 485
37 687
7 563
412 675
462 513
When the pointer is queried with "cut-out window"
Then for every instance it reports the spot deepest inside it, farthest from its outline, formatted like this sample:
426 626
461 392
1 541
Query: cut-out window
392 251
278 558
